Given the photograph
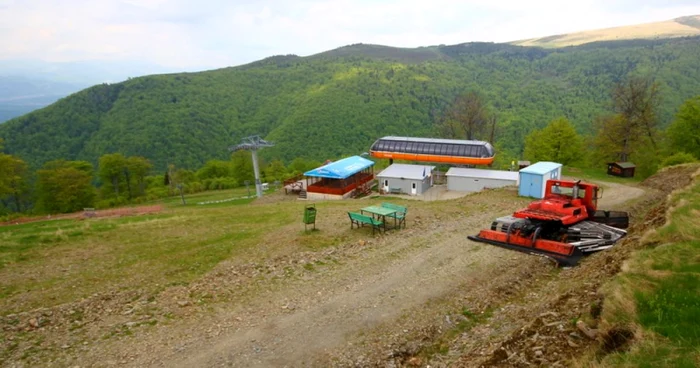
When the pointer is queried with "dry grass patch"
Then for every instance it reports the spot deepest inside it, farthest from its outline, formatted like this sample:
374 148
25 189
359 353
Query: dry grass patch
665 29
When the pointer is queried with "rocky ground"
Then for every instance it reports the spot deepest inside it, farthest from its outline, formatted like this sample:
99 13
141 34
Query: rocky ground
423 296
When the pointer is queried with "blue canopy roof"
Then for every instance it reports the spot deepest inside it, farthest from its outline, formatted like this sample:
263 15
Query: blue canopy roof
341 169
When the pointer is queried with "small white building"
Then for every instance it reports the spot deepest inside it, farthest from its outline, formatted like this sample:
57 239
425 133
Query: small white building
474 180
406 179
533 179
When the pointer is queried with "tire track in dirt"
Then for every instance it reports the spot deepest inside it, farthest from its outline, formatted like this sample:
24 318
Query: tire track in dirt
372 299
615 195
330 309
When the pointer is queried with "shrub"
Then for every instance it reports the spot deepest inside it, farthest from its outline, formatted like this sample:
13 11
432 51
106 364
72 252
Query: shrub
677 159
111 202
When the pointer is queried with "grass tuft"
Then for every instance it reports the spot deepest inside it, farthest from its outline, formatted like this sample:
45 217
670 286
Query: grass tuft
659 293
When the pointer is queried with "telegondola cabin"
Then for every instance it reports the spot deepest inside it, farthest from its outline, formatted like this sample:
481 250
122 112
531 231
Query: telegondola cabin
452 151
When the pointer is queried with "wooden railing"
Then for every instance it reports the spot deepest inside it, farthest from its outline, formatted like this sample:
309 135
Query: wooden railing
293 180
316 188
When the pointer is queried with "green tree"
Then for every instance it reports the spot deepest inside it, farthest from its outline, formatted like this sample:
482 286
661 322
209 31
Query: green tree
677 159
557 142
647 156
505 160
684 132
607 143
635 100
170 179
276 171
214 169
300 166
137 168
13 180
111 171
6 174
184 176
65 186
242 166
467 117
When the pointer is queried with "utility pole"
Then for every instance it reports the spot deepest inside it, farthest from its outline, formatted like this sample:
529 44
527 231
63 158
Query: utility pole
253 144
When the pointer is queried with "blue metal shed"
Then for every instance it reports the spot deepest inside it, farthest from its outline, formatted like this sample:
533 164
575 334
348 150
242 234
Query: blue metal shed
533 178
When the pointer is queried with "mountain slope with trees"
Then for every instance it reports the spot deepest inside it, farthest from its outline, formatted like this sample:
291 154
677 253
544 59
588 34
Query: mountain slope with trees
338 102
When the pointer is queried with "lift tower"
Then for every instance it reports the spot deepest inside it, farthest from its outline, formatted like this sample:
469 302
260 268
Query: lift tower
253 144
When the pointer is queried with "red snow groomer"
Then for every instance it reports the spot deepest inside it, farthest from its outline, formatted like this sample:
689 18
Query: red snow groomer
564 225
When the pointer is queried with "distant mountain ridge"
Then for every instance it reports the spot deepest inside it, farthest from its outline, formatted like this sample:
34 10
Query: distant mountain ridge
687 26
336 103
26 85
20 95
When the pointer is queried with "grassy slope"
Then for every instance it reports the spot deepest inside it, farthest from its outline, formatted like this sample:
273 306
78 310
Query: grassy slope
679 27
151 252
657 296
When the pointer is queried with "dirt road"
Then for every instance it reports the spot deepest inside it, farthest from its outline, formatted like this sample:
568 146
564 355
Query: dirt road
615 195
350 292
384 289
371 303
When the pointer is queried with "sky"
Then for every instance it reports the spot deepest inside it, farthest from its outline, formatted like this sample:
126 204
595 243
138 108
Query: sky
194 35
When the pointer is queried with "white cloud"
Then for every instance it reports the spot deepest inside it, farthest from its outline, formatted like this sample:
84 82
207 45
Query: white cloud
215 33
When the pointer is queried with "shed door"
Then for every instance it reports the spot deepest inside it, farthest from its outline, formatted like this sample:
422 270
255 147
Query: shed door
413 188
535 186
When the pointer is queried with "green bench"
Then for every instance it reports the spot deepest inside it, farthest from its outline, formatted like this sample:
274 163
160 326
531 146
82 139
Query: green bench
399 215
362 220
395 190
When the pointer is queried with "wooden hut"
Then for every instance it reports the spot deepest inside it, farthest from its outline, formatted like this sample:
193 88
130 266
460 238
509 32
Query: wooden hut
623 169
523 164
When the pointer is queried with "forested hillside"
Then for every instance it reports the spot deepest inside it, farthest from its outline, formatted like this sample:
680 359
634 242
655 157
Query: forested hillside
338 102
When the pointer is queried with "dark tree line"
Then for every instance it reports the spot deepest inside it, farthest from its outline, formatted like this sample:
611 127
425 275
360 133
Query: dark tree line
62 186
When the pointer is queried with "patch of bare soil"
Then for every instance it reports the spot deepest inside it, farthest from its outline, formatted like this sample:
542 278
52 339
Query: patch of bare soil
671 178
91 213
616 195
276 197
421 296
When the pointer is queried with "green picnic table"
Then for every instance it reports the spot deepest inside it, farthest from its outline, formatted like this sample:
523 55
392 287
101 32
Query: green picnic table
382 212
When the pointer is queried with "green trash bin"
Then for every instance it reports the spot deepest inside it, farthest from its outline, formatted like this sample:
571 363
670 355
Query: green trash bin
310 216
